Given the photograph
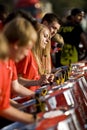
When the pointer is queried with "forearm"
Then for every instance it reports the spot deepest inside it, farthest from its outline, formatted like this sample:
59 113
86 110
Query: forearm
16 115
22 91
15 104
48 66
27 83
84 40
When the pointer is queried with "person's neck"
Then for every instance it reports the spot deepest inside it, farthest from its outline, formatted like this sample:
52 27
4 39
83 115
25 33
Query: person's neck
4 60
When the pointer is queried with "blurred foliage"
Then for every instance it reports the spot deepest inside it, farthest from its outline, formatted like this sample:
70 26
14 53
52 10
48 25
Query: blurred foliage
61 6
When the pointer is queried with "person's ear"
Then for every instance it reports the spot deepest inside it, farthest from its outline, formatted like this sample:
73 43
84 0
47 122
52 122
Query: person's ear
15 45
45 23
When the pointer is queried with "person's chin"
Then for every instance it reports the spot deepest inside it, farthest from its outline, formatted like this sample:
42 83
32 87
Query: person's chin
19 59
16 60
52 35
44 47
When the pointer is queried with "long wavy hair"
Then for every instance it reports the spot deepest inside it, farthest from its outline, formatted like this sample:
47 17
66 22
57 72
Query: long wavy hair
42 55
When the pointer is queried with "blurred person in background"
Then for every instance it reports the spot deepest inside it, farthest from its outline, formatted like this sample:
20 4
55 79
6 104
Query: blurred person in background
57 44
52 21
72 34
3 14
21 13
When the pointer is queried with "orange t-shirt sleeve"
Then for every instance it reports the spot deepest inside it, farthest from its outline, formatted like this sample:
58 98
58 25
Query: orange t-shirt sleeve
4 103
7 75
4 87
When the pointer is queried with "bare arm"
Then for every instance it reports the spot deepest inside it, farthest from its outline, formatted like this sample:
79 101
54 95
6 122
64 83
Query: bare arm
13 114
83 40
21 90
49 65
15 104
27 83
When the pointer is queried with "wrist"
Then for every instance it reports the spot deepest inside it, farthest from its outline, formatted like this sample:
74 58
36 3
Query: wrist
38 82
34 116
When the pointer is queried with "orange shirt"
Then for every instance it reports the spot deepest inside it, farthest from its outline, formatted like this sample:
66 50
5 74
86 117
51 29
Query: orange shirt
7 75
28 69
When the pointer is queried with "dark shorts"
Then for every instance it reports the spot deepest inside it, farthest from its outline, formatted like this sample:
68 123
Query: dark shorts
4 122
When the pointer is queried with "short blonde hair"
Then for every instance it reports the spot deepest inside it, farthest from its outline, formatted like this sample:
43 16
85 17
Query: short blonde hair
20 29
4 49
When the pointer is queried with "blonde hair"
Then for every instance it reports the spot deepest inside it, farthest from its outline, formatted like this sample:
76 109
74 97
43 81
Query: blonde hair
19 29
4 49
40 53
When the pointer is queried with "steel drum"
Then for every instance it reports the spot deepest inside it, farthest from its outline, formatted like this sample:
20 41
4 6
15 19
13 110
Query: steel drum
80 95
66 124
61 98
76 118
54 123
